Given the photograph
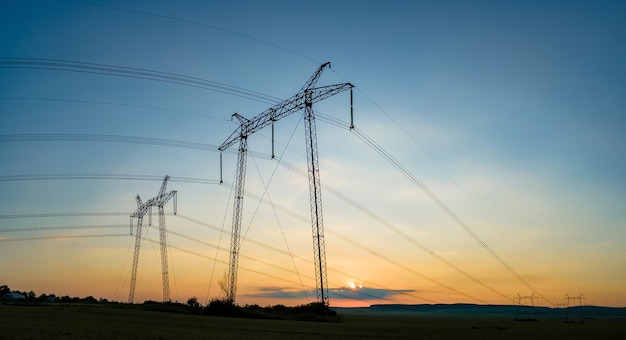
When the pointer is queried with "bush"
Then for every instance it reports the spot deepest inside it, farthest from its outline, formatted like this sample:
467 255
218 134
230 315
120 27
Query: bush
225 307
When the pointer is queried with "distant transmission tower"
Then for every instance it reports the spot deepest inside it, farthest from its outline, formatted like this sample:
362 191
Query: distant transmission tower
146 208
521 311
303 100
568 303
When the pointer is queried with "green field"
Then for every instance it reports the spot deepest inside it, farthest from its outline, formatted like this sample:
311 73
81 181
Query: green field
105 322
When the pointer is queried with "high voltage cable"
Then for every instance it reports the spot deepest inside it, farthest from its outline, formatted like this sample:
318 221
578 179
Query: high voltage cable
382 152
247 36
161 76
394 229
82 214
426 190
407 173
248 240
115 104
83 137
388 225
294 256
137 73
197 82
226 250
263 262
266 193
370 142
11 178
224 262
341 196
6 230
59 238
208 147
34 238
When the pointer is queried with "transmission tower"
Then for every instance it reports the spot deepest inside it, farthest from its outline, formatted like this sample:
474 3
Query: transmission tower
303 100
146 208
520 315
567 301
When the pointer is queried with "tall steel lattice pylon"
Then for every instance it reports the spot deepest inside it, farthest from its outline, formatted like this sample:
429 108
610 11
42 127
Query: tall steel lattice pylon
235 239
315 192
142 209
303 100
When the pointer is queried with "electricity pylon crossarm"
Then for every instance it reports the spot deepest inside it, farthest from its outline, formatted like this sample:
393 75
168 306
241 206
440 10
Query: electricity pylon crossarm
281 110
303 100
142 209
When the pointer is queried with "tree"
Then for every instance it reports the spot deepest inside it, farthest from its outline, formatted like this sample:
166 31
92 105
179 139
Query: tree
193 302
223 283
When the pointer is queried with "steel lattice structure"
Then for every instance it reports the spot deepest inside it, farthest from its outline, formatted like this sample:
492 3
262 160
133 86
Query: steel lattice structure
146 208
303 100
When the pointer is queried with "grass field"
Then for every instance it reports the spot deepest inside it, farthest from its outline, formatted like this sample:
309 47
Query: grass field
58 321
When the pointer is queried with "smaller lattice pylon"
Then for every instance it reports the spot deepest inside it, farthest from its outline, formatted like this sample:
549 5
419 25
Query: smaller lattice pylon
142 209
567 301
522 310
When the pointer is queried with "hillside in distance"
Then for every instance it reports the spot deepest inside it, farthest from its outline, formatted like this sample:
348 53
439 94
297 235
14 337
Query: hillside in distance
513 311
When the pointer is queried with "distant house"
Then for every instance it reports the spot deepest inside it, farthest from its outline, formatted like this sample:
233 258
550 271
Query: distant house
13 297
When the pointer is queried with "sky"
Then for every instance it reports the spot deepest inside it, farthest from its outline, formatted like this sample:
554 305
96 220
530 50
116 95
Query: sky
494 167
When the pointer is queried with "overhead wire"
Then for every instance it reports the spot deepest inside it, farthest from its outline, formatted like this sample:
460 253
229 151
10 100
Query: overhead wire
122 278
61 214
84 137
219 241
170 17
114 104
395 229
444 207
155 141
266 193
190 81
194 239
417 182
136 73
59 238
132 177
25 229
281 251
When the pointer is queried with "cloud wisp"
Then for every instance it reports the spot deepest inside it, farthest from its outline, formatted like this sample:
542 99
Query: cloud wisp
347 293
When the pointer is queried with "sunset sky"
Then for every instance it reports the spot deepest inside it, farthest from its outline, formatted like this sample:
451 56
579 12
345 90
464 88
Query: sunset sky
495 165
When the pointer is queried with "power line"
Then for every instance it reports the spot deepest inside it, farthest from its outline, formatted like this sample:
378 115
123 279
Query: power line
247 36
81 214
59 238
136 73
433 197
104 138
25 229
284 252
114 104
273 265
447 210
68 137
168 77
39 177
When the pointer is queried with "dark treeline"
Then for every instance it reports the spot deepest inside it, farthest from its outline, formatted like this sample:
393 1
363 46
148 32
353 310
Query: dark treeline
32 297
225 308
